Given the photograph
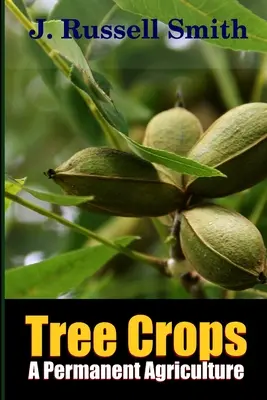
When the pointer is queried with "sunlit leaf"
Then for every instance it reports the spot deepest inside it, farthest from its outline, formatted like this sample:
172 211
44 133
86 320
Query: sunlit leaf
171 160
66 47
104 104
82 11
60 274
195 12
13 187
61 200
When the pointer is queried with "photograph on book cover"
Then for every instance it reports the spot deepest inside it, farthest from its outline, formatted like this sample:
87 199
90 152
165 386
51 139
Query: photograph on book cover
135 149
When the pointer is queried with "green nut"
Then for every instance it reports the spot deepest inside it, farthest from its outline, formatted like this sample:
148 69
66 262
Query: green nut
175 130
235 144
224 247
121 183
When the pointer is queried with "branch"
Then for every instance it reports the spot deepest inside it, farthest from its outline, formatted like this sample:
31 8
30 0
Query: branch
157 263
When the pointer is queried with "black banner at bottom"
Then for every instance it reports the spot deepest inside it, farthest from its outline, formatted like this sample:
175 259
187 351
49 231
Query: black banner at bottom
70 345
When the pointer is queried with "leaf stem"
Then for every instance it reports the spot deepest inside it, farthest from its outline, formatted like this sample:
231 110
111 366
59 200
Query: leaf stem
58 61
158 263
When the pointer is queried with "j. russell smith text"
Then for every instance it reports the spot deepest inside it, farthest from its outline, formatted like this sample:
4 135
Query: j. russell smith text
146 29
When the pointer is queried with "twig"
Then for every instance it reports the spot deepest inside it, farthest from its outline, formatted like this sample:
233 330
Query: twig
175 248
157 263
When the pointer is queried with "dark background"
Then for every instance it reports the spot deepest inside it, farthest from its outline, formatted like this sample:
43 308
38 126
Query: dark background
92 312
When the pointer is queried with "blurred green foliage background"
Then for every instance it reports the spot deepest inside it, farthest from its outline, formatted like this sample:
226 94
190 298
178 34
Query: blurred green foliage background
43 129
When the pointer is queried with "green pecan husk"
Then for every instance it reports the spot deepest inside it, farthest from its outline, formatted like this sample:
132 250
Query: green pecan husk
121 183
223 246
235 144
175 130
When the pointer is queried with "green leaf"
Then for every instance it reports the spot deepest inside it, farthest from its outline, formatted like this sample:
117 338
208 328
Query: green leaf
66 47
72 106
104 12
61 200
82 11
195 12
60 274
170 160
104 104
91 290
13 187
102 81
258 7
81 75
21 6
77 111
69 49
